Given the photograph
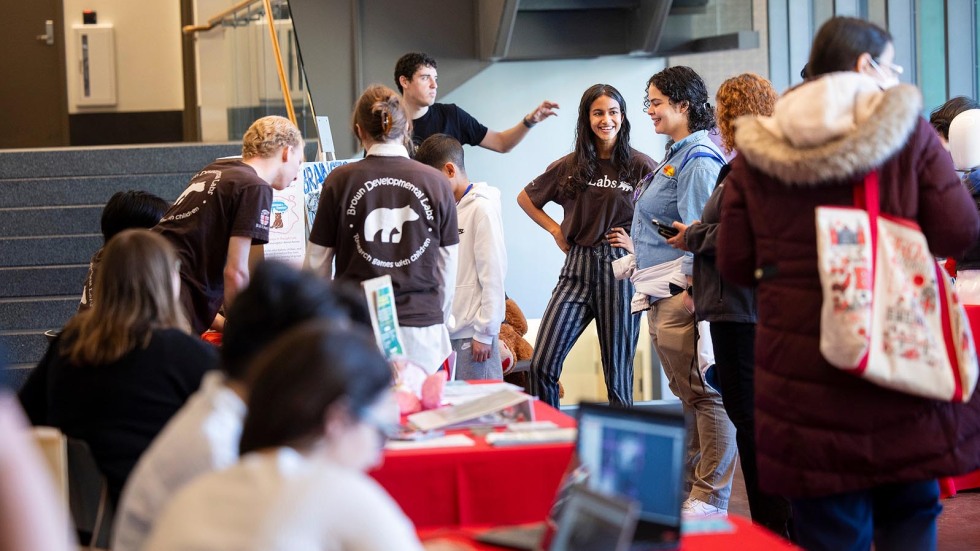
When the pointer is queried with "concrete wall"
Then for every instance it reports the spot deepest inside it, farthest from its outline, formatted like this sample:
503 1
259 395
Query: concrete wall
716 67
149 73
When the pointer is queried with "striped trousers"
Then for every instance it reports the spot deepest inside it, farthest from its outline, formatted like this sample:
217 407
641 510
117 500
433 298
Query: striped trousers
587 290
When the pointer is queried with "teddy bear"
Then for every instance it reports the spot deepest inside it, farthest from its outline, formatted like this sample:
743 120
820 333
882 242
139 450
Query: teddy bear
513 347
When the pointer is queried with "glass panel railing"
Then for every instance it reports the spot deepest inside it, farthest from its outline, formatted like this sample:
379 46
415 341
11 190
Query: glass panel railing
238 78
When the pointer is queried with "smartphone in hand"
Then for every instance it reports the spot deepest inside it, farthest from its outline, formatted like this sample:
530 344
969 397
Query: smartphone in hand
666 231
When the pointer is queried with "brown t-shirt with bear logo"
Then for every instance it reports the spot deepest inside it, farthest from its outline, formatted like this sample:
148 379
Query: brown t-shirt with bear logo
605 204
389 216
225 199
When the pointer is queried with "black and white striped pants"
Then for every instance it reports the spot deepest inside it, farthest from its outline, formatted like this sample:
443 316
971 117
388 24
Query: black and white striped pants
587 290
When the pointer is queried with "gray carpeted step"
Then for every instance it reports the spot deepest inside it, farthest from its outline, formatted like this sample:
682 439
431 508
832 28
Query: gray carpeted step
88 190
14 376
110 160
35 281
36 314
24 347
42 221
47 251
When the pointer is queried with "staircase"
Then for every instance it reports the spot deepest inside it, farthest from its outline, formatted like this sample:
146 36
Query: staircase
50 205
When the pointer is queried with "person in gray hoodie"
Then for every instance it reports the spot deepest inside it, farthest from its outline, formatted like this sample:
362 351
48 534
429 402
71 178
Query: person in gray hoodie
478 305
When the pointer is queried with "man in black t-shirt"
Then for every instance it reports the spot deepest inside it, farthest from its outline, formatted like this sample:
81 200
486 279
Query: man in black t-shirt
224 211
417 80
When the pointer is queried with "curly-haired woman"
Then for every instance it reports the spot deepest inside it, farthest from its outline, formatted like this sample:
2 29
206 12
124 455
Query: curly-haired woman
730 308
677 103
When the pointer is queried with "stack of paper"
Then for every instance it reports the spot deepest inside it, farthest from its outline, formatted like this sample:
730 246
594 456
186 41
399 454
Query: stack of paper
500 408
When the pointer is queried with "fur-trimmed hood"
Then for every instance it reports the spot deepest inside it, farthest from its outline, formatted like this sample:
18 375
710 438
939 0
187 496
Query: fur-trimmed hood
829 129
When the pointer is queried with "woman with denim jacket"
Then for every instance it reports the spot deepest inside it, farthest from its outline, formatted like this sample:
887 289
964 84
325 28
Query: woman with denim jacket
730 308
677 103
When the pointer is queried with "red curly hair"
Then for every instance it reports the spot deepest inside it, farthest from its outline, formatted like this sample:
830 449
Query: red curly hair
745 94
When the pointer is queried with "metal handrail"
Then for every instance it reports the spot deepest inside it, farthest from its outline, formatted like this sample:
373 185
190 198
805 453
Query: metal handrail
219 18
283 83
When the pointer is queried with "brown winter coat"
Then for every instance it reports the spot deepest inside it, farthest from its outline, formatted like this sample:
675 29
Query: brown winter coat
819 430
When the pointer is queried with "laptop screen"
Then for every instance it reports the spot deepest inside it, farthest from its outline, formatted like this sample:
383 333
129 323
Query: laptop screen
639 455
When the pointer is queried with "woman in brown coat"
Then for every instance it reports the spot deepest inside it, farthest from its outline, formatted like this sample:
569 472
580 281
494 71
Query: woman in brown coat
858 461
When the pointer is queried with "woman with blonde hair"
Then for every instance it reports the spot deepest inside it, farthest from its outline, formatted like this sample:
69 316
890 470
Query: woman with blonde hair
731 309
223 211
120 370
390 215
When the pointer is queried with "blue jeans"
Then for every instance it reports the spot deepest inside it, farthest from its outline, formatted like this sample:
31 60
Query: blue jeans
894 517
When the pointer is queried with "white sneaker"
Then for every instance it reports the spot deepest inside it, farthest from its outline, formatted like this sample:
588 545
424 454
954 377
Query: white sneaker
693 508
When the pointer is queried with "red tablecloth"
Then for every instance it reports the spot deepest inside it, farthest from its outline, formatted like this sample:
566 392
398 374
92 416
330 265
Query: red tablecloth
478 485
949 486
745 537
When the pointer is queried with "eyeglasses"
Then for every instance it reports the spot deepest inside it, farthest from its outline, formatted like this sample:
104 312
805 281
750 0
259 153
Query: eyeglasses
383 416
895 69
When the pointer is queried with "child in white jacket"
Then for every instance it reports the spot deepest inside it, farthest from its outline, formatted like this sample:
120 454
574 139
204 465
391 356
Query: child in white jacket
478 305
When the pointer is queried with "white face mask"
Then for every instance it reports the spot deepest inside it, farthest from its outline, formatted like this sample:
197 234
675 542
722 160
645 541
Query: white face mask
885 81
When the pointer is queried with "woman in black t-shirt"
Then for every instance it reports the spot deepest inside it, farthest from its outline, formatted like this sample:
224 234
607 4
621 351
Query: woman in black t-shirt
594 185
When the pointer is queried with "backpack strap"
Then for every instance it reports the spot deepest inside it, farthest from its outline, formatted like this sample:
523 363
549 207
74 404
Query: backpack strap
703 152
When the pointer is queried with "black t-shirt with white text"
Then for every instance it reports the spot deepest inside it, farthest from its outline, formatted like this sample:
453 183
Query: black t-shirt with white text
605 204
390 216
447 118
225 199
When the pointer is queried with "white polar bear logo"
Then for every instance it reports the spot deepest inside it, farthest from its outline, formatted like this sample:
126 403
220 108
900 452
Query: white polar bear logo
196 187
389 222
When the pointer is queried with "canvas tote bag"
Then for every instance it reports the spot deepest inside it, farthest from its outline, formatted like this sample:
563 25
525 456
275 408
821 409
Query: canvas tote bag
889 312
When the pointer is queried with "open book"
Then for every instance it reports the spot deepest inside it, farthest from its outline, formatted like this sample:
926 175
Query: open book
499 408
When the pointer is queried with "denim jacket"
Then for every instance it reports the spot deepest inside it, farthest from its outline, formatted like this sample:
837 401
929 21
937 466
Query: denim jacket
674 195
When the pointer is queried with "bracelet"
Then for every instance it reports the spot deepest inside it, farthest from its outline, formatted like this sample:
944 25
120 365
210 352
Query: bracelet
527 123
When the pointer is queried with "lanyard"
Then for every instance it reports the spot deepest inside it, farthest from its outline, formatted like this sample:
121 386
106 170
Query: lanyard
643 184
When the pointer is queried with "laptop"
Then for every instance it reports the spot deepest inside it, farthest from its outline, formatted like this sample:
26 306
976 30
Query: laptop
637 454
581 520
627 456
594 522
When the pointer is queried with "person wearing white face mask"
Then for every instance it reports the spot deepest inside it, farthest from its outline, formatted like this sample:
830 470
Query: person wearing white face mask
886 72
858 462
